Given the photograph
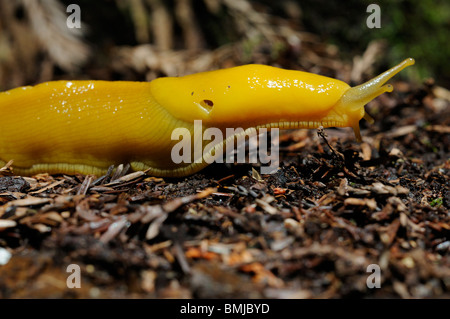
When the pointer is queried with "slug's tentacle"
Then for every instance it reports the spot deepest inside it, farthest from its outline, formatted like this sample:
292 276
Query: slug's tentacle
353 100
374 85
369 118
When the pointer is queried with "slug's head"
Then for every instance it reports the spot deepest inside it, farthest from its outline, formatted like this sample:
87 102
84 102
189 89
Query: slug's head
353 101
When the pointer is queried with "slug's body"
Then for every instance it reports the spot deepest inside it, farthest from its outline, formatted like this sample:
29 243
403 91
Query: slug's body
86 126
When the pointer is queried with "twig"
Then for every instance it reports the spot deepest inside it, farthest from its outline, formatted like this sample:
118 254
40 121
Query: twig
323 135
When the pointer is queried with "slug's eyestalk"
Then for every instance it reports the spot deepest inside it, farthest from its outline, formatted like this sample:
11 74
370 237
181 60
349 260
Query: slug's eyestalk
355 98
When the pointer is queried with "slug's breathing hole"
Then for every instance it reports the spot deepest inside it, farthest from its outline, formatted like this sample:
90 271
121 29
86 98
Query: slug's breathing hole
207 104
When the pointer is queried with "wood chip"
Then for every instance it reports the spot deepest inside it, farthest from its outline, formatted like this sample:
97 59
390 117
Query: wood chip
343 187
388 233
126 178
262 275
48 187
153 229
438 128
7 170
29 201
114 229
85 185
369 202
5 256
42 228
366 151
6 223
441 93
266 206
401 131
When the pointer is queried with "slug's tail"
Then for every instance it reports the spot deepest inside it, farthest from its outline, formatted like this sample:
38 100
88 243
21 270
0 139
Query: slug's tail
356 97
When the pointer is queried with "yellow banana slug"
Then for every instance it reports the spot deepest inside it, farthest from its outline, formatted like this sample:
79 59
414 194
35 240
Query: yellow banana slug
86 126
